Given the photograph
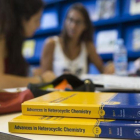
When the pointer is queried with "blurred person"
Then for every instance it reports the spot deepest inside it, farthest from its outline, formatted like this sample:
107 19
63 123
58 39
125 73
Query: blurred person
19 19
70 52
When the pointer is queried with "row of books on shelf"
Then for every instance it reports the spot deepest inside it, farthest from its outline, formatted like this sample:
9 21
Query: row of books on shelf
104 42
105 9
98 10
92 114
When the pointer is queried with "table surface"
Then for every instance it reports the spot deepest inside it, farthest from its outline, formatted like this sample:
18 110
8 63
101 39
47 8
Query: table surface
4 119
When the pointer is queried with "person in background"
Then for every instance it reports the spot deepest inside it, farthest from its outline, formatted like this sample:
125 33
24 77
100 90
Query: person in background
19 19
70 52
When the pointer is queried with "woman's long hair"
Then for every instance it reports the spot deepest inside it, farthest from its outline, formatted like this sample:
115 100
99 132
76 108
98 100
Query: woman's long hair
12 13
87 35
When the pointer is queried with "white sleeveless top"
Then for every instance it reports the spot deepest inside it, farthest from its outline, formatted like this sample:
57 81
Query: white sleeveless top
61 63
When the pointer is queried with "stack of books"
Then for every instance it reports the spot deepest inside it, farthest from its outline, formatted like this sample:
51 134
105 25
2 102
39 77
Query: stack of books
108 115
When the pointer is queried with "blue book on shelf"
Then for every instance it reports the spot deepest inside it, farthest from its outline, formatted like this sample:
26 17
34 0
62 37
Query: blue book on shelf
132 37
33 50
49 21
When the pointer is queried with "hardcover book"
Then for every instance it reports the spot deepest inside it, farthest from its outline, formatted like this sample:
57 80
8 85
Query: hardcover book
85 104
75 127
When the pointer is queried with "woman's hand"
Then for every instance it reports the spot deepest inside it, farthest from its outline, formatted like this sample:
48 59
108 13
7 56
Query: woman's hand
48 76
109 68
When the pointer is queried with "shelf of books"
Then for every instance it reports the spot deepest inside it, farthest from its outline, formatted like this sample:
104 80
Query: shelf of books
111 18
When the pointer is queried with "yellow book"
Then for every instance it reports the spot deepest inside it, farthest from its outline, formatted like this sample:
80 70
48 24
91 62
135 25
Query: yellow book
75 127
85 104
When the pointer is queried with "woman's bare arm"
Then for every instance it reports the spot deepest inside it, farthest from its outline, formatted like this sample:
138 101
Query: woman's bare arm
10 81
94 57
47 55
97 61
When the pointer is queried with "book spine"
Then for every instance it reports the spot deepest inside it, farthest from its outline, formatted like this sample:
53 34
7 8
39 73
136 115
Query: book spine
66 111
106 112
127 113
89 130
83 112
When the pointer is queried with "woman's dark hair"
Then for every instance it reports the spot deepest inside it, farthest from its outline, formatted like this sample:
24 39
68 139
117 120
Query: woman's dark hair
87 35
12 13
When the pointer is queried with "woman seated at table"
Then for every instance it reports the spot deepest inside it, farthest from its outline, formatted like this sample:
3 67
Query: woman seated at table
69 52
18 19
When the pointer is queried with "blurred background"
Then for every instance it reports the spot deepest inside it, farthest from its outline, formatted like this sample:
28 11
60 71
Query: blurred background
112 19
